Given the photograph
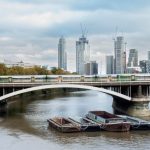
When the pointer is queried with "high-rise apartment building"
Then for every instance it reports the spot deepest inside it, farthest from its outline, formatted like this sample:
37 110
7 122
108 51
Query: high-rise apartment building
62 55
65 66
133 58
148 55
109 64
81 47
91 68
119 55
145 66
142 65
124 62
148 66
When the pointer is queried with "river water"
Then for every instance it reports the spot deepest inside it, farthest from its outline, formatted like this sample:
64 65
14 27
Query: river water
25 126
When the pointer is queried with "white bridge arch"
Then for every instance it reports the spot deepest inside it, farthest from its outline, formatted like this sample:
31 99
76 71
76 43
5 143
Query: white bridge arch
43 87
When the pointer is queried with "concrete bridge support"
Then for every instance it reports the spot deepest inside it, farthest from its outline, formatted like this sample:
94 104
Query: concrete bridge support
3 106
139 104
132 108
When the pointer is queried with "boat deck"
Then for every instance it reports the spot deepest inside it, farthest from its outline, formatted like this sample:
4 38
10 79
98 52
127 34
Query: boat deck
63 124
86 124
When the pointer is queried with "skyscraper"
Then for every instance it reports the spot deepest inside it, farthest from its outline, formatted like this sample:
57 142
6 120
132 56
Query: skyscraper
148 55
124 62
148 66
81 47
133 58
143 65
91 68
65 66
109 64
119 55
62 55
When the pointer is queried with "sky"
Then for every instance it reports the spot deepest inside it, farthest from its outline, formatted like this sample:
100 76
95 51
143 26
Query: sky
30 29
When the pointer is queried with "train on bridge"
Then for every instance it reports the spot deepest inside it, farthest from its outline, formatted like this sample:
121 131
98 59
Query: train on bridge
74 78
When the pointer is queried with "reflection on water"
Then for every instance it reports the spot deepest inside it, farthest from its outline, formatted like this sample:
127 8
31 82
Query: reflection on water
25 125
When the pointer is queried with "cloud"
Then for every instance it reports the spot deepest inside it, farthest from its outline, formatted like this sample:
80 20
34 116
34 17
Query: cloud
30 29
90 5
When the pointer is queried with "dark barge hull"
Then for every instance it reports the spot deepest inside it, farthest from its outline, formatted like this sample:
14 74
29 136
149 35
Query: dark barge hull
116 127
107 127
140 127
91 128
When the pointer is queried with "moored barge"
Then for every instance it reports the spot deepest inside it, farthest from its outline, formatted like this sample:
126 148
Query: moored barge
136 123
108 121
64 125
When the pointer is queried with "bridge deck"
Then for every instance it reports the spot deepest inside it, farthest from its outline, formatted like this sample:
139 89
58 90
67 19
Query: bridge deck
99 84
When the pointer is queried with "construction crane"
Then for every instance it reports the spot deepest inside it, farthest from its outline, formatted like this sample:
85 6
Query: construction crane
115 34
83 30
86 43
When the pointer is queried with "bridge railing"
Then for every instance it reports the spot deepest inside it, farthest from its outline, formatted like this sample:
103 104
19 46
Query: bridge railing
73 78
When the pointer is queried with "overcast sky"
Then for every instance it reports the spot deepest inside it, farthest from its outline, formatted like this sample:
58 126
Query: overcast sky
30 29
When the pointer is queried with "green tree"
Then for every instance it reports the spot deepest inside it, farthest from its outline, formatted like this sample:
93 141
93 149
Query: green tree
16 70
3 69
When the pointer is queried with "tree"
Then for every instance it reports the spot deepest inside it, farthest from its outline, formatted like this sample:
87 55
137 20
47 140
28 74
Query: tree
36 70
3 69
59 71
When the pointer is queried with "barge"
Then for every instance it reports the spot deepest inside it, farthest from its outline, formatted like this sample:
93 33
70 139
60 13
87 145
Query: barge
108 121
136 123
64 125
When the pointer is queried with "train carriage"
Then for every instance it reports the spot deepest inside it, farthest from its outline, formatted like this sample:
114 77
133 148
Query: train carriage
126 77
74 78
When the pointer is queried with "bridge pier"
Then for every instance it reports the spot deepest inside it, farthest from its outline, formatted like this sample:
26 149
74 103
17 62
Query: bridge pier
139 103
3 106
3 91
136 107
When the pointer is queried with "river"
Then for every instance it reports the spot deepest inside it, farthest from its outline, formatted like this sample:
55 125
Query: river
25 126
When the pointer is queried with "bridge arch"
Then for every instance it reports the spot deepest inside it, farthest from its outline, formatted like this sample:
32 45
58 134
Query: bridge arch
43 87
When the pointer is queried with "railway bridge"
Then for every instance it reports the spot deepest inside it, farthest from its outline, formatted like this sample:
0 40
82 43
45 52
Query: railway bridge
129 96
